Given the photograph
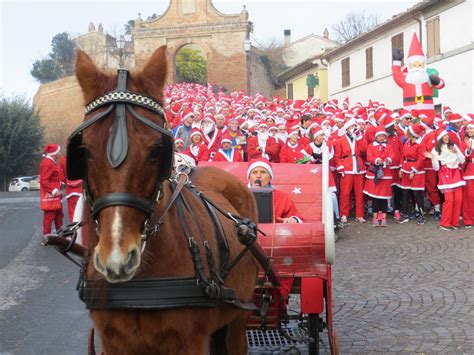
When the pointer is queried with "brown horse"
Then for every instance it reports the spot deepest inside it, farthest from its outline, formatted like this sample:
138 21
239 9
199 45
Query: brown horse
115 246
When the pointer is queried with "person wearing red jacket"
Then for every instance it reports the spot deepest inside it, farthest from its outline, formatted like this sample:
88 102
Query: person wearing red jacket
431 176
379 177
293 151
50 189
467 148
197 149
348 155
226 153
447 161
412 172
73 189
211 134
262 145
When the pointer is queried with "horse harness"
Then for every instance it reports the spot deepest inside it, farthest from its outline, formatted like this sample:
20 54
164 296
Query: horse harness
166 292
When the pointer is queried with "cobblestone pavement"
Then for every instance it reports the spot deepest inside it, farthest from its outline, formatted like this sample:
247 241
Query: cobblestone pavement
404 289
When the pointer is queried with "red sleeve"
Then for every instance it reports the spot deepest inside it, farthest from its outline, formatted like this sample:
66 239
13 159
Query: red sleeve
398 76
371 157
62 170
419 165
272 148
203 153
283 156
252 151
338 155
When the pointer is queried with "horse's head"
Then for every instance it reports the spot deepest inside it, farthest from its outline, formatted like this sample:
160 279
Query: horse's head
123 153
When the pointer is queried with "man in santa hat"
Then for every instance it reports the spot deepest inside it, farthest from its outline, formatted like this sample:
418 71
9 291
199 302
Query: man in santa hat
226 153
197 149
455 123
348 155
260 175
179 145
419 83
262 145
50 189
184 130
293 151
211 134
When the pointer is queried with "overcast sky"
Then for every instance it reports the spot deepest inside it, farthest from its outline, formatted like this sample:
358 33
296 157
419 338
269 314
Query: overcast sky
27 26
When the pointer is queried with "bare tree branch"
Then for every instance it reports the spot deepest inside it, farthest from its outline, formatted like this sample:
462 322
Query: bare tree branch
354 24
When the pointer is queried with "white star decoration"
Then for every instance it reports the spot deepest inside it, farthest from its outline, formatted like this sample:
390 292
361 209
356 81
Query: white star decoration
296 190
314 171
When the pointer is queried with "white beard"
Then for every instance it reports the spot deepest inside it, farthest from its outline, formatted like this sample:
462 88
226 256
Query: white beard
283 136
207 129
416 77
263 136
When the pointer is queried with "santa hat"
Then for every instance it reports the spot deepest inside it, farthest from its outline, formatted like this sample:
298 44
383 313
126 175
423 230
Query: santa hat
388 122
273 126
446 110
416 130
415 53
348 124
195 131
428 121
52 149
455 118
317 131
346 101
188 112
178 140
226 138
339 117
404 114
380 115
440 133
292 132
380 130
260 163
262 124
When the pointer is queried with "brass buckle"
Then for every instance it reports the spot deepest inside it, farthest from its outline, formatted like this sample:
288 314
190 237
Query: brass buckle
419 99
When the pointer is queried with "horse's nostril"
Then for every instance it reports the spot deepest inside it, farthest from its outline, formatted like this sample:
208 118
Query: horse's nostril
97 262
132 261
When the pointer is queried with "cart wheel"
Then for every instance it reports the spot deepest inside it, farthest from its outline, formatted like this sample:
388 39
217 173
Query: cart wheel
313 330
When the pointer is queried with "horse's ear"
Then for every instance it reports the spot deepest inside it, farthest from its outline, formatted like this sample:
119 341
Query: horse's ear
88 75
155 68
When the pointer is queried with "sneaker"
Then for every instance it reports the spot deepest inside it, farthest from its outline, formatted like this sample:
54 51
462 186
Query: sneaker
413 216
369 210
384 222
360 219
455 227
397 215
446 228
344 220
468 226
437 215
403 218
390 209
431 211
420 221
44 243
375 221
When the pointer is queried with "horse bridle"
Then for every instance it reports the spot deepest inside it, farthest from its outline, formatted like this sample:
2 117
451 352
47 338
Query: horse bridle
122 101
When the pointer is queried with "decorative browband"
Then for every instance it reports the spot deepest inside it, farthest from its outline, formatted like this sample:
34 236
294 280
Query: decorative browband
123 97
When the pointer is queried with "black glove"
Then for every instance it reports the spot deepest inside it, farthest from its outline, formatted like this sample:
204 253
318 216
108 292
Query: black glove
434 79
397 55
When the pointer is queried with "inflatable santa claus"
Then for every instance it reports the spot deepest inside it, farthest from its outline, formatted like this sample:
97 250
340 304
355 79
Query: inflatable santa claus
419 84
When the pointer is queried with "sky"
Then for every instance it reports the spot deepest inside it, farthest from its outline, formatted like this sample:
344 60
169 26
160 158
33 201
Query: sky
27 26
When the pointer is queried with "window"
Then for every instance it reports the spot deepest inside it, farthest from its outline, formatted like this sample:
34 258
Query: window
310 91
369 63
290 91
346 72
397 42
432 31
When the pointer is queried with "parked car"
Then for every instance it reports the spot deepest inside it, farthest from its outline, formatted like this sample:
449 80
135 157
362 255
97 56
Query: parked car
21 183
34 182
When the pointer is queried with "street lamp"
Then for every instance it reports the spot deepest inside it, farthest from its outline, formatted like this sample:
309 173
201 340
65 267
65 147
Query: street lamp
121 47
247 45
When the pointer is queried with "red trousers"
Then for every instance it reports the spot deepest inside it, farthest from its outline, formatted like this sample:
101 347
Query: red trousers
71 206
348 183
49 217
451 207
468 203
431 181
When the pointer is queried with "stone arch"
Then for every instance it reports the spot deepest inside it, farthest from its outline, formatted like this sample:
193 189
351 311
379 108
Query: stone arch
202 50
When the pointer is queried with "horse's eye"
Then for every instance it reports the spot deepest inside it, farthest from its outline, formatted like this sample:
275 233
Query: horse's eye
87 153
155 153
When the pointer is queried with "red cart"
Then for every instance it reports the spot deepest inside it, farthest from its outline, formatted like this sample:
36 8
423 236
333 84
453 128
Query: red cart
303 255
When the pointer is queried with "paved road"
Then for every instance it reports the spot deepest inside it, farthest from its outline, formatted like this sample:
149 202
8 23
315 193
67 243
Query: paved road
404 288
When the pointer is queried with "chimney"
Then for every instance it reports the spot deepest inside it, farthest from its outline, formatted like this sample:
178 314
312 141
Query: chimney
326 33
287 36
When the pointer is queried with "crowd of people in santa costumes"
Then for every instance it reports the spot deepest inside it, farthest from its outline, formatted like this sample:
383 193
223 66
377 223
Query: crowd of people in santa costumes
377 155
52 172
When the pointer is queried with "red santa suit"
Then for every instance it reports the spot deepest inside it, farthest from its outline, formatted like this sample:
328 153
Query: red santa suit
50 190
291 153
199 152
284 206
396 143
380 154
73 189
269 148
213 141
222 156
431 176
413 161
450 181
417 95
468 176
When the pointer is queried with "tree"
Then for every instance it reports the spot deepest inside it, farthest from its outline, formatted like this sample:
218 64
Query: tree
21 138
129 26
354 24
59 63
272 54
191 66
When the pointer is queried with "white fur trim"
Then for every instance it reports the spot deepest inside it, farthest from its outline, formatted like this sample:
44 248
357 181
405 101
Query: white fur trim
260 164
454 184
